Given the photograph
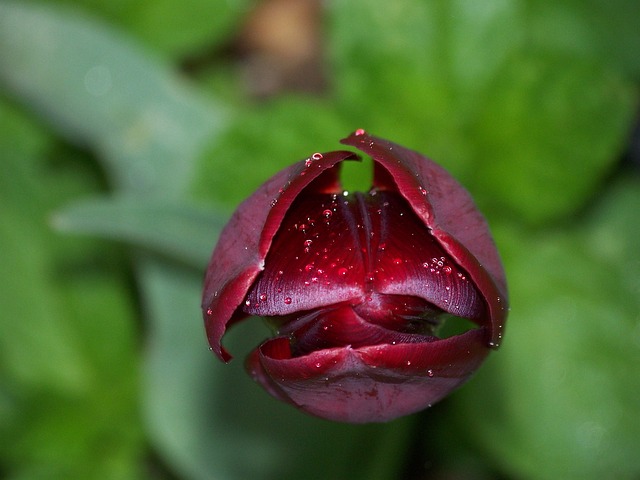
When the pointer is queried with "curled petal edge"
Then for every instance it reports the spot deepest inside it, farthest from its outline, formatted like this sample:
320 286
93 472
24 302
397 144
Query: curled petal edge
449 211
244 242
368 384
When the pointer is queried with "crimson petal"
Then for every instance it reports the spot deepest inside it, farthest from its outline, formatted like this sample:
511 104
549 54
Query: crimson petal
374 383
239 256
446 208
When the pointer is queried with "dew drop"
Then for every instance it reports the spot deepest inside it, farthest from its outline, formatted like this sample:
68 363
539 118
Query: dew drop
342 271
397 261
308 162
309 267
307 243
447 270
408 363
263 297
316 156
287 300
209 311
430 373
327 213
274 202
247 303
318 365
423 191
359 132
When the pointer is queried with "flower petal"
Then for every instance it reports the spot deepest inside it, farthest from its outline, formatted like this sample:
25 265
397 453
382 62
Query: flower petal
449 211
369 384
243 244
332 248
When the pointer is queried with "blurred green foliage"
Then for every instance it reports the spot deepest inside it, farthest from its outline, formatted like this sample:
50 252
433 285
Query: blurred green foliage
104 368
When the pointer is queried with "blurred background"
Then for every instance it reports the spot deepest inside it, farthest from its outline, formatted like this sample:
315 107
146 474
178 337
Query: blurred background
129 130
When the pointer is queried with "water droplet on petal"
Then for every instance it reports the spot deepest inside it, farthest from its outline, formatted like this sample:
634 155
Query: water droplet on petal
263 297
309 267
359 132
316 156
327 213
287 300
430 373
342 271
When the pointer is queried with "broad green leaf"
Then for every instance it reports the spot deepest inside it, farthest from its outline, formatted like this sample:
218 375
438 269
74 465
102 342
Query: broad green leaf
28 297
212 422
590 28
468 84
99 88
68 372
173 27
180 231
560 398
263 140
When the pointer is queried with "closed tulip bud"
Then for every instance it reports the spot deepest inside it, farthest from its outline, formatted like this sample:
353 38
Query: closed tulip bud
359 284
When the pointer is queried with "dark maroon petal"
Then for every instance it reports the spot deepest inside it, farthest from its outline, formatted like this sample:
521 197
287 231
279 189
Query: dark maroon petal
333 248
369 384
341 326
448 210
243 244
315 259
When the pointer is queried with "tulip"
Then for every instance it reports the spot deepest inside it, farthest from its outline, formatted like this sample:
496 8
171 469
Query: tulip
357 285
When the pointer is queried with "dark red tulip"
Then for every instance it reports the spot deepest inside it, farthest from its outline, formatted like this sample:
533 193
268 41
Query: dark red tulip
357 284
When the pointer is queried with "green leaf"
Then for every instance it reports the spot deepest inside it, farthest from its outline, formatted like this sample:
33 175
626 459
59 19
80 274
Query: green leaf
559 399
173 27
99 88
590 28
180 231
467 84
68 371
264 139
